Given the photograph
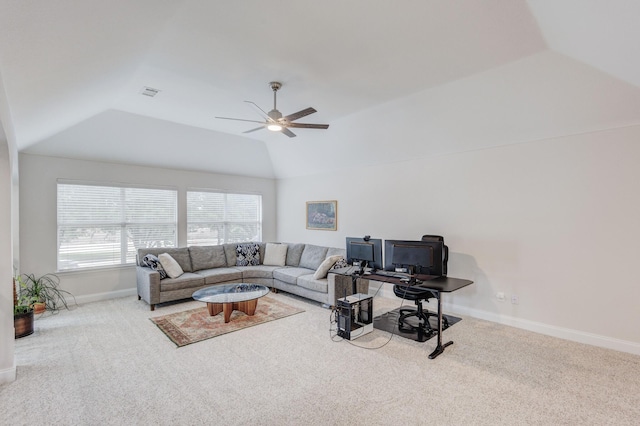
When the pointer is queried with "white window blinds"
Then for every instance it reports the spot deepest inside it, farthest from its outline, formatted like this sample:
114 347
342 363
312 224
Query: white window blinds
104 225
217 218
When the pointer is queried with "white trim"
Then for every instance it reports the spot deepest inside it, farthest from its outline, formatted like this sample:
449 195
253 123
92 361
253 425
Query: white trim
549 330
223 191
115 184
97 297
537 327
8 375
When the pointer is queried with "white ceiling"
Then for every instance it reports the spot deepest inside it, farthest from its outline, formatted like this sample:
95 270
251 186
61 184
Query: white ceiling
415 77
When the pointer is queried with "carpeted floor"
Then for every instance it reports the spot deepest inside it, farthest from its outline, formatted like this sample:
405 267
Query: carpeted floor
106 363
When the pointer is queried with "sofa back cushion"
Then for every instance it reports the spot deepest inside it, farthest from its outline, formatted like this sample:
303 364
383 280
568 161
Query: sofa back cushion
230 253
207 257
181 255
312 256
262 249
333 251
294 252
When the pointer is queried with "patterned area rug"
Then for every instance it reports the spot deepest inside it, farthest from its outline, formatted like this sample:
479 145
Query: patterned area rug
195 325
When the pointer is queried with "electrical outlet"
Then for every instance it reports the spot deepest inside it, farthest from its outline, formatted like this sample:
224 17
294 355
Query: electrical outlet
515 300
500 296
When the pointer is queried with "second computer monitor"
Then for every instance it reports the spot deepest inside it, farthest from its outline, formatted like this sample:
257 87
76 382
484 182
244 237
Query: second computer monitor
415 257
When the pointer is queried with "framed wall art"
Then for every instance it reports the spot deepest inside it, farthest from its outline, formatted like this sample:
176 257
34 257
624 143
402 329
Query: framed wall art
322 215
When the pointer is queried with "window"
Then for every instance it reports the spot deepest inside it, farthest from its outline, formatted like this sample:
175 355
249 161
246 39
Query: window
217 218
104 225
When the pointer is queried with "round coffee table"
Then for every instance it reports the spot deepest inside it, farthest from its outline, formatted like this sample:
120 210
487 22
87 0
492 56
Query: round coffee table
231 297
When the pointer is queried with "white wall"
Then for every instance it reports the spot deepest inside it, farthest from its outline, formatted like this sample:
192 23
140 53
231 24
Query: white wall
38 233
538 97
554 222
7 366
8 232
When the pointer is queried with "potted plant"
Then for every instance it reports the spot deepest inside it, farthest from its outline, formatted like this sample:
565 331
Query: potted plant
22 314
44 292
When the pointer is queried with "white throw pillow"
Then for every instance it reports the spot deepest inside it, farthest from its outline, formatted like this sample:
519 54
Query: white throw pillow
170 266
324 267
275 254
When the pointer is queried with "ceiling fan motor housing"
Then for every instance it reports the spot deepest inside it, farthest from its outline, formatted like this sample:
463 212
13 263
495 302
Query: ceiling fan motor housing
274 114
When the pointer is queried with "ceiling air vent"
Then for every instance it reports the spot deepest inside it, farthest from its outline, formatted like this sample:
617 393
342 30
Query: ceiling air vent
149 91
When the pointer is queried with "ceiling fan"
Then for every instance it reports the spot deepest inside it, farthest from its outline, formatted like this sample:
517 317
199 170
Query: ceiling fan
274 120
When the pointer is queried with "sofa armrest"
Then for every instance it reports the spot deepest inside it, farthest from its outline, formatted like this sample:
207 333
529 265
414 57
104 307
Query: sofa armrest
148 283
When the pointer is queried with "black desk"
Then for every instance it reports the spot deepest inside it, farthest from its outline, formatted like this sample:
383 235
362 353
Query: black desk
437 285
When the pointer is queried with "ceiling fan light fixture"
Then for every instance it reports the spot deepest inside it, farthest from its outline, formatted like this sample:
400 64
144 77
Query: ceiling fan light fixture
275 122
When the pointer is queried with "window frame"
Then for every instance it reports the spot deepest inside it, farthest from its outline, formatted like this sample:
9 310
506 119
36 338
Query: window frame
122 223
226 221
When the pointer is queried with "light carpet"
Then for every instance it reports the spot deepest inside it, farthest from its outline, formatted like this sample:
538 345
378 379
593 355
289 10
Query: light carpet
196 325
105 363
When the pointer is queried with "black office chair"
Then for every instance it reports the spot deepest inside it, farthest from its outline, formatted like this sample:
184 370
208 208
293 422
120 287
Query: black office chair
445 254
418 295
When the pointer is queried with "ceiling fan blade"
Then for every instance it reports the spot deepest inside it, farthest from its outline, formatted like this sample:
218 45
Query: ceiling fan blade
288 132
240 119
260 110
300 114
308 126
253 130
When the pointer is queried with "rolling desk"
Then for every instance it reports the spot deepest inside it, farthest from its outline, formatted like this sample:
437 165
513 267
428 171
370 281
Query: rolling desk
437 285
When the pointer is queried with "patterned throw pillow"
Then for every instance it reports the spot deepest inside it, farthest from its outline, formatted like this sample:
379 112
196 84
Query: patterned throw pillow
151 261
247 254
341 263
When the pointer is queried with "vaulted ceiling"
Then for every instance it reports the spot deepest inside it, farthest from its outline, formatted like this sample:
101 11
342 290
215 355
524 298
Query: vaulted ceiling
393 79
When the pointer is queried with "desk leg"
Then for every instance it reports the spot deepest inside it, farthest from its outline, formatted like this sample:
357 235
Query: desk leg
440 347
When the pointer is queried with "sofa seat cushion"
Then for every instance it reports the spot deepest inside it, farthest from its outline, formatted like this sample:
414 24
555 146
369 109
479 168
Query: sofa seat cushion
308 282
186 280
290 275
258 271
220 275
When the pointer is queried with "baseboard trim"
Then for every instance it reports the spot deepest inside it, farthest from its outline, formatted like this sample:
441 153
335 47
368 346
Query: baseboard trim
89 298
536 327
549 330
8 375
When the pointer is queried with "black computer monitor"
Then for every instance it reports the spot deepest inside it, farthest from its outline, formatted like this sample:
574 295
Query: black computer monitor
414 257
366 252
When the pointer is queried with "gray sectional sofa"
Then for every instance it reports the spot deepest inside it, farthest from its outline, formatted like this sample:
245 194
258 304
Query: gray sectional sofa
211 265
